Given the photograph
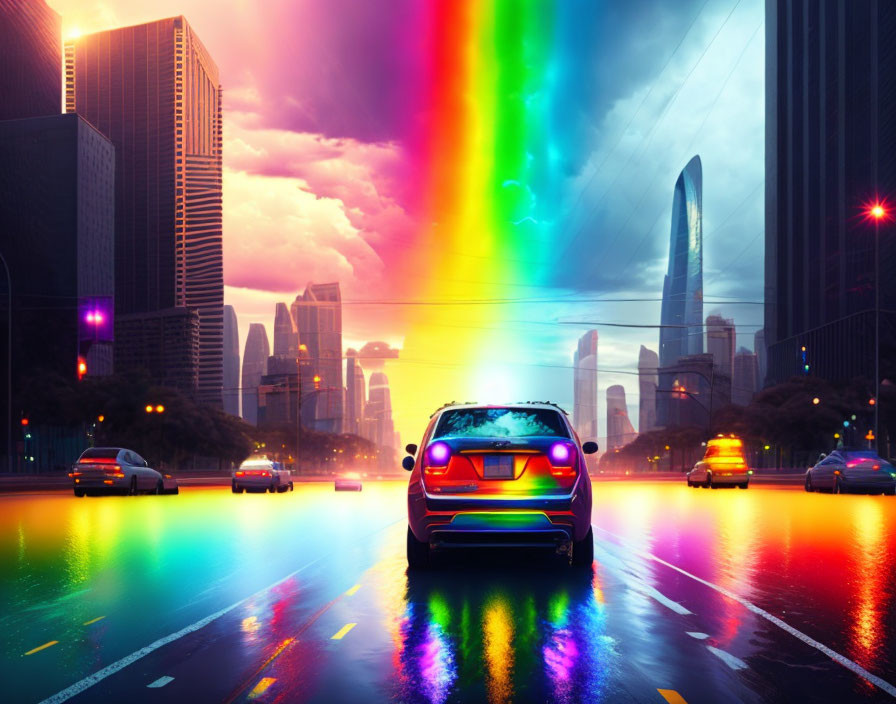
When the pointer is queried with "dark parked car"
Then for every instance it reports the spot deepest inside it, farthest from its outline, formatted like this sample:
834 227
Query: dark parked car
844 471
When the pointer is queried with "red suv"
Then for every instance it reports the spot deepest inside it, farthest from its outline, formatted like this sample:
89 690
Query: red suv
499 476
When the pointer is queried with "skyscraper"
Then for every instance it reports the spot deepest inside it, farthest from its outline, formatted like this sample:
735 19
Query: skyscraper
830 130
379 410
745 382
30 60
682 306
255 366
57 186
318 316
231 362
286 338
761 357
584 414
720 341
354 394
648 378
153 90
619 428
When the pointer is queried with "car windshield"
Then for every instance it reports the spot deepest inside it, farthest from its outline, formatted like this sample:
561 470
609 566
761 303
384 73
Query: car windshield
500 423
104 452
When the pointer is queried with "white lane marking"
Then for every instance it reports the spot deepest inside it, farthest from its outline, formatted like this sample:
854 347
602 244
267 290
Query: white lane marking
100 675
641 586
727 658
161 682
808 640
698 636
664 600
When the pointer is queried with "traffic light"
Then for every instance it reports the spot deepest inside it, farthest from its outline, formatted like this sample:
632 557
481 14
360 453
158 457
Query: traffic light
82 368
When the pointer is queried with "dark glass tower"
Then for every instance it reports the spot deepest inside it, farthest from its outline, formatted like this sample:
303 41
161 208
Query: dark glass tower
153 90
30 60
830 152
682 307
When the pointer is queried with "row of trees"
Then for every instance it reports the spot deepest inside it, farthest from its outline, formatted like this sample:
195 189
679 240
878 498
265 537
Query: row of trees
786 425
170 429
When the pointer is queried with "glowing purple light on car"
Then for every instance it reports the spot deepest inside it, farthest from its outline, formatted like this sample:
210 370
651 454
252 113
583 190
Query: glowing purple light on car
560 453
439 453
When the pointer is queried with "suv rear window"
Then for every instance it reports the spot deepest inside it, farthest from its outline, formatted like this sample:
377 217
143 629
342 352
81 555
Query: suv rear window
500 423
93 452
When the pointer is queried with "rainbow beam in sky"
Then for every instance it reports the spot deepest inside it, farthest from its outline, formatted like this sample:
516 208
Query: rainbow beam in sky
490 177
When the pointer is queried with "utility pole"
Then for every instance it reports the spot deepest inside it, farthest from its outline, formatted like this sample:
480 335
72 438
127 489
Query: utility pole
8 367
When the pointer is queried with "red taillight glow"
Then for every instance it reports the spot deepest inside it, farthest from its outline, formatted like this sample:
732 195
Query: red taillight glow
253 473
97 460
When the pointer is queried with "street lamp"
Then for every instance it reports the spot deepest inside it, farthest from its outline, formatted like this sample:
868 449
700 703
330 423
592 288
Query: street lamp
877 211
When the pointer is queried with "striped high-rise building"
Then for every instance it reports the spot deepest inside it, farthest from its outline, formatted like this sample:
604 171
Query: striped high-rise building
30 59
153 89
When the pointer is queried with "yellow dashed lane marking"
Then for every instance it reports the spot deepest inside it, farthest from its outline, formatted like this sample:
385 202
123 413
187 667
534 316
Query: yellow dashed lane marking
353 590
261 687
47 645
671 696
340 634
94 620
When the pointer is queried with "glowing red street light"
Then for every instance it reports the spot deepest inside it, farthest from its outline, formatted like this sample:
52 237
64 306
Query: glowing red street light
877 211
25 421
82 368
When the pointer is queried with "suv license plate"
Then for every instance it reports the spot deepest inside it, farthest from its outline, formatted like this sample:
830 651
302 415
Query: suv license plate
497 467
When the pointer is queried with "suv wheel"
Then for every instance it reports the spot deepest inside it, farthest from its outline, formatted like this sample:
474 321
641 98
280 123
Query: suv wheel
583 550
418 553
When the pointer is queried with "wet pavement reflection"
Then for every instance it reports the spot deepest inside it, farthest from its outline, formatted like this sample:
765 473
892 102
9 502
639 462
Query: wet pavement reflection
674 601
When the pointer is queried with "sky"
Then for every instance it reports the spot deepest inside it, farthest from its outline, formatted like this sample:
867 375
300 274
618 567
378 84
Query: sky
485 180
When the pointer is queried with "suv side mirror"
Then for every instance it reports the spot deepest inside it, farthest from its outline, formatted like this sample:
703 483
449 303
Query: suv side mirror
411 449
408 463
590 447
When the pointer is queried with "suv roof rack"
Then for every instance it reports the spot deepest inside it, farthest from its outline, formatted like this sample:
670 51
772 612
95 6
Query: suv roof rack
514 403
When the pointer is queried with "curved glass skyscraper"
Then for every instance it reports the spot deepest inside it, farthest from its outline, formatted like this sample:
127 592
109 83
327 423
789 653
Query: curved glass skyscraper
683 286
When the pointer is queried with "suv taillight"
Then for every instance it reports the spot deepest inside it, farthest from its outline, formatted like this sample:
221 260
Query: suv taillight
437 458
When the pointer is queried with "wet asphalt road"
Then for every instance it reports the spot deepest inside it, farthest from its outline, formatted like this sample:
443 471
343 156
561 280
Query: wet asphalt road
768 594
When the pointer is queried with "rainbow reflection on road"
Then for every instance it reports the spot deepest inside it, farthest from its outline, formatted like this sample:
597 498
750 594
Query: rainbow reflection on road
498 635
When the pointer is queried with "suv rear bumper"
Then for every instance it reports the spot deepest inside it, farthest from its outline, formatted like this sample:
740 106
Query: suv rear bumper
507 528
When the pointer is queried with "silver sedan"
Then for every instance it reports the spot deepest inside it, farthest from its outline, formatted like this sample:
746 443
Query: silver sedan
117 470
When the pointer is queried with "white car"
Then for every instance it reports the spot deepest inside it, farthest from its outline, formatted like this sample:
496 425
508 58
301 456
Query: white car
722 465
116 470
350 481
261 474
